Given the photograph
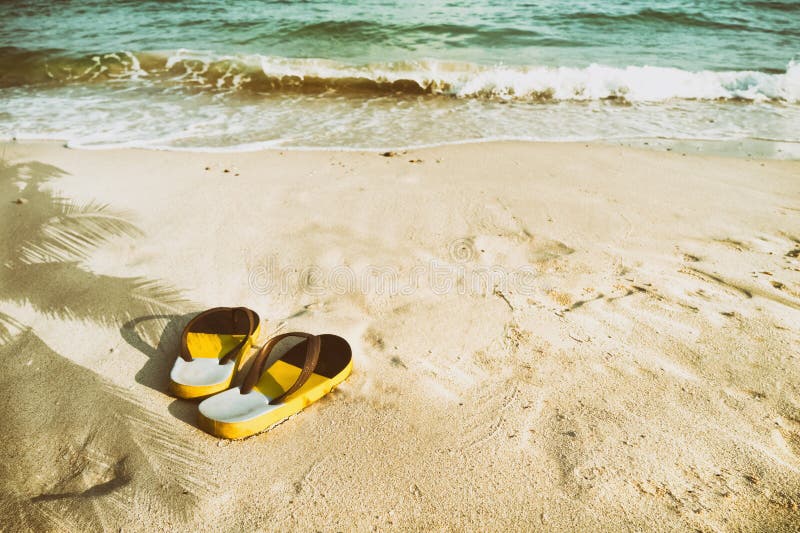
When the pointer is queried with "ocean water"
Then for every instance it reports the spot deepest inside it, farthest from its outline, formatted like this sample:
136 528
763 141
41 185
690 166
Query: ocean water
387 74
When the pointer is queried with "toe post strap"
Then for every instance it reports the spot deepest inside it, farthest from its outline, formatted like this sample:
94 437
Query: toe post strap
313 345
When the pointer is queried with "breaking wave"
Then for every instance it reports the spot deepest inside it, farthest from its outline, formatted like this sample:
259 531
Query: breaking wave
264 75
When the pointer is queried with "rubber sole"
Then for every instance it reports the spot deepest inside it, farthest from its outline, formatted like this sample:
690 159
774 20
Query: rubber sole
296 403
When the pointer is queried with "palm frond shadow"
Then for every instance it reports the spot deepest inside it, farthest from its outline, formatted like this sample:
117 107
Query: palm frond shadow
78 453
76 461
9 327
49 227
86 296
43 243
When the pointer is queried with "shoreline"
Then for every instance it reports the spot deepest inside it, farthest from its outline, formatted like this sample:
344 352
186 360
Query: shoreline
747 148
646 378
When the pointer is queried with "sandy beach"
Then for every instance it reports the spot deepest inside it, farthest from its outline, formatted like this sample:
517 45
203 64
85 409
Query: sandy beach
632 362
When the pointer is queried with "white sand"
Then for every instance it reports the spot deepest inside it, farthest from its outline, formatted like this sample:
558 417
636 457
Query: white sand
634 366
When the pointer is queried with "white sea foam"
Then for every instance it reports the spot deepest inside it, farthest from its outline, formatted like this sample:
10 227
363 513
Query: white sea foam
595 82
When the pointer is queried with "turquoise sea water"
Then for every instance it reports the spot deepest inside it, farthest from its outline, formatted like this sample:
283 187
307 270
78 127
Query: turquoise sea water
373 74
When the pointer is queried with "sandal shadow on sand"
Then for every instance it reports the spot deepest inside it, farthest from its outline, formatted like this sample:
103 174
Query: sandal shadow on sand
273 392
213 348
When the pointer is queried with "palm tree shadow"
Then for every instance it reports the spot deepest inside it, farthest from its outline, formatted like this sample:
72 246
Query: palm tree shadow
155 372
80 445
85 451
45 241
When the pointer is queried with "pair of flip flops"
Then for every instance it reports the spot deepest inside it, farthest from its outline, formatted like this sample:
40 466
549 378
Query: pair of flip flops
289 372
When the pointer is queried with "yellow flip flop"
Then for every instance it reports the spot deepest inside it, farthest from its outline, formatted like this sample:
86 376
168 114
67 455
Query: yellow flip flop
213 348
271 393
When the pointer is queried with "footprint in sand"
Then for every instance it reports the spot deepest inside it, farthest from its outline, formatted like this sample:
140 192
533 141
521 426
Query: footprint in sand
563 438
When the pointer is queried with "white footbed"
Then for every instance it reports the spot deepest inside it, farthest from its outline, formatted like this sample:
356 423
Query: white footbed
233 406
201 372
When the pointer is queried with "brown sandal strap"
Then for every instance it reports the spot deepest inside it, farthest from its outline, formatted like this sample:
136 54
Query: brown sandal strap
259 364
251 326
184 351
